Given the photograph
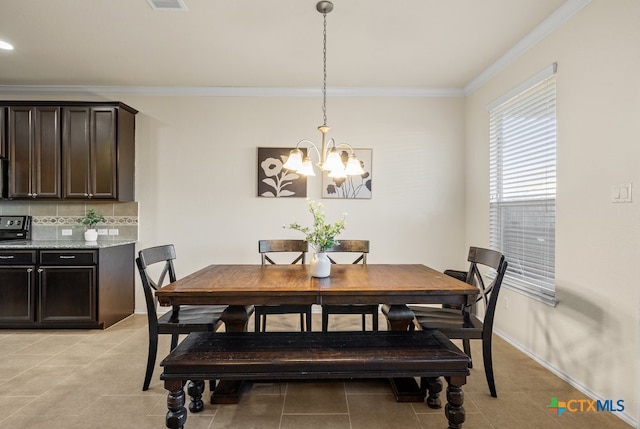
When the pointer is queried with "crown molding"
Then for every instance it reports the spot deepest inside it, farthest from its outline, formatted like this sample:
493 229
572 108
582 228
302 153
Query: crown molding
548 26
209 91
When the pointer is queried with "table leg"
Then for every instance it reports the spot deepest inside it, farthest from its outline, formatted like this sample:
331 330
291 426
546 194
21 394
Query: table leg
400 318
235 319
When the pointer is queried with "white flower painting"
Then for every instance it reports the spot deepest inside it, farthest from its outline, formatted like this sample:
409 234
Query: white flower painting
274 181
353 187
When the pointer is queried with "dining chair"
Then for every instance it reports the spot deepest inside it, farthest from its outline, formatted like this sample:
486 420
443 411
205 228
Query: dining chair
486 270
267 249
181 319
361 247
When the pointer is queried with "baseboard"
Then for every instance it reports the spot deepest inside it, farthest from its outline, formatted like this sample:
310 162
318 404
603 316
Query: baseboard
588 392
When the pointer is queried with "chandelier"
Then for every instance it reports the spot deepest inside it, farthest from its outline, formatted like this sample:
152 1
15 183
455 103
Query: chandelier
329 155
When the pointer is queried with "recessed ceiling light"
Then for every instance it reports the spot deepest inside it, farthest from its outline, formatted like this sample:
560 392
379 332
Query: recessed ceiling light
5 45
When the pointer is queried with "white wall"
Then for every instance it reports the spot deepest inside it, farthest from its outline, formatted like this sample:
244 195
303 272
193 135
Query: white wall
196 173
592 335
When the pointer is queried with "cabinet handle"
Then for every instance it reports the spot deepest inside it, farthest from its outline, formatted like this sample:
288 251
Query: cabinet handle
29 194
67 257
29 270
90 195
34 195
6 257
40 270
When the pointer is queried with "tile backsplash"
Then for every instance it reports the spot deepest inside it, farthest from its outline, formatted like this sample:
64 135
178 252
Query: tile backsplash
51 218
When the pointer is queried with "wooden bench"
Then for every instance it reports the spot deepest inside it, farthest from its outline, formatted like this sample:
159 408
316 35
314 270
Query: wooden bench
313 355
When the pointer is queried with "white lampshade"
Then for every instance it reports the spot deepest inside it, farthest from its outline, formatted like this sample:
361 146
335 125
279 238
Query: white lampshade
353 167
306 168
294 162
333 161
338 173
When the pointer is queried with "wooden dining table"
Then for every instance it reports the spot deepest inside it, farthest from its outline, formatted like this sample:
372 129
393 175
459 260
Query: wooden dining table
240 286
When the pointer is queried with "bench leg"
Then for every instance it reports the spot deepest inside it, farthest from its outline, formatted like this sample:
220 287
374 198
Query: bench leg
177 414
455 399
195 390
432 385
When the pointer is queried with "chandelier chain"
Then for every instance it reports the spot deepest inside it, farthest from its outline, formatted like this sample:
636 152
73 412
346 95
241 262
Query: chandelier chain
324 70
330 160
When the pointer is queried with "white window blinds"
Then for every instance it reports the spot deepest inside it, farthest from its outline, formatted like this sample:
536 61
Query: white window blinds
523 184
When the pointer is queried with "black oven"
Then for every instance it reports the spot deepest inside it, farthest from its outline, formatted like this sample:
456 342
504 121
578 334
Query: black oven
15 227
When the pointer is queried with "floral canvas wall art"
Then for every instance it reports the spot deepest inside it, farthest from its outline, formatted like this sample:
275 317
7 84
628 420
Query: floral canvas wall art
275 181
357 187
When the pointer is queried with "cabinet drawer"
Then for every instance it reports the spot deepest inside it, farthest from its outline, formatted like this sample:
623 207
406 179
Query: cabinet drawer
72 257
17 257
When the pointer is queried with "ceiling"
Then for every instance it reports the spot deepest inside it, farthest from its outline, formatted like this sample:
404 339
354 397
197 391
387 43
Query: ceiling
258 43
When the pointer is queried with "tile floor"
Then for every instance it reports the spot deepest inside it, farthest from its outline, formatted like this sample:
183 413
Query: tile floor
70 379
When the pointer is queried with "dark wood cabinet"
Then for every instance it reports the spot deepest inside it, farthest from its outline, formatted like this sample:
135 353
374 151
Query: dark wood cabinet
67 295
90 146
3 140
98 153
67 287
33 151
73 288
17 287
69 150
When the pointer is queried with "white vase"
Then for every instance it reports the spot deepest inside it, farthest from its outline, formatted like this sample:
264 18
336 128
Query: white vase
91 235
320 265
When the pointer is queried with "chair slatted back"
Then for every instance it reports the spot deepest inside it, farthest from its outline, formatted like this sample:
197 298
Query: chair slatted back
351 246
488 294
147 257
282 246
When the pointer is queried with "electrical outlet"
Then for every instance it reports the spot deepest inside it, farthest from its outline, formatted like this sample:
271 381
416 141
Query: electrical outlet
67 232
113 232
102 232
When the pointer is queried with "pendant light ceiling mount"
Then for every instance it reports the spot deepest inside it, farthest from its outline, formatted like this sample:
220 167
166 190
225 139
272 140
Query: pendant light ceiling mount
324 7
330 158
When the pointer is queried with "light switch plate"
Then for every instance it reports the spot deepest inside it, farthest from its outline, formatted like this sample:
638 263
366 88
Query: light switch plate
621 193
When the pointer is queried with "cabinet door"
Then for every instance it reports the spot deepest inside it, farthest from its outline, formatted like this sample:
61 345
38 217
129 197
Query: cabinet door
34 152
17 295
89 146
76 152
103 152
47 150
67 295
3 132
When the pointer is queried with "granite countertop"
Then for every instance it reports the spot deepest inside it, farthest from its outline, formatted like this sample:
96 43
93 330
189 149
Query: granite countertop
61 244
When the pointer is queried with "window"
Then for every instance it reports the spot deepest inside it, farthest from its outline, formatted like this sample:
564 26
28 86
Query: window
523 184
